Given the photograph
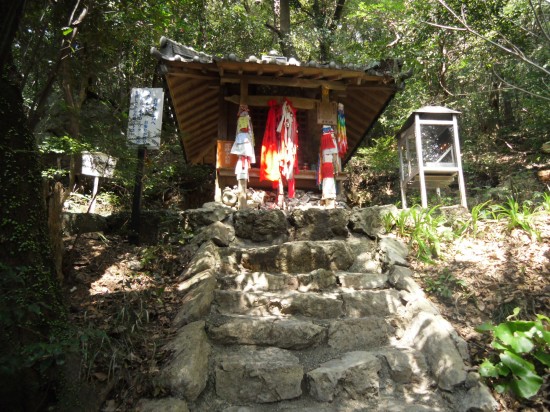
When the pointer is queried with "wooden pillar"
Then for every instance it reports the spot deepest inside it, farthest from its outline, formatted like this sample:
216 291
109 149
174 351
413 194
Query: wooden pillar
91 208
461 184
402 182
222 135
133 236
421 176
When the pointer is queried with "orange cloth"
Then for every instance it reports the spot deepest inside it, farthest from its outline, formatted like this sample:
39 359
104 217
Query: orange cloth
269 161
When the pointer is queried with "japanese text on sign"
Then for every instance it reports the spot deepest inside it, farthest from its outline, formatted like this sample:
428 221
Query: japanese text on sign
145 117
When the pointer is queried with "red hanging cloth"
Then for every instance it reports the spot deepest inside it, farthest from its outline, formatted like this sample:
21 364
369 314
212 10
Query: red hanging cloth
269 161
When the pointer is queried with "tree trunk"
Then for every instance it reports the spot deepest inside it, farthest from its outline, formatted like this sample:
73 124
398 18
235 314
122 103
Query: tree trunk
31 309
285 40
327 26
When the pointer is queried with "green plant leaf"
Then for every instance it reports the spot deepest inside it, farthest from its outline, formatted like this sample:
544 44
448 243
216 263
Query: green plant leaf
526 387
522 343
543 357
518 365
514 313
484 327
489 370
502 387
542 317
499 346
526 382
504 333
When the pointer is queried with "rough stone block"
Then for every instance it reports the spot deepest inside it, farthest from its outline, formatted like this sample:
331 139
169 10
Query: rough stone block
186 372
319 224
206 258
395 252
196 303
257 375
360 281
431 335
370 221
359 304
358 334
287 334
354 375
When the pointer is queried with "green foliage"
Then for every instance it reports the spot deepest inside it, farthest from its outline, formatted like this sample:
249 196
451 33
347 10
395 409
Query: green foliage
381 156
63 144
479 212
425 230
544 201
522 350
26 308
518 216
444 285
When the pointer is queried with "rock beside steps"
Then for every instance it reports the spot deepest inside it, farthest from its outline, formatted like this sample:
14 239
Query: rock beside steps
311 325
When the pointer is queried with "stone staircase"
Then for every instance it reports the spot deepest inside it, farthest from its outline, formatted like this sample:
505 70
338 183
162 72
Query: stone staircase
314 311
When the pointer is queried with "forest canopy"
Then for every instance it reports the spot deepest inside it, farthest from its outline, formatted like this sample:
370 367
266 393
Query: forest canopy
488 59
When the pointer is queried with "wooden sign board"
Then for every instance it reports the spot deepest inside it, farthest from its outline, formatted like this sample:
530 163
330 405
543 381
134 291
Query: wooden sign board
97 164
327 112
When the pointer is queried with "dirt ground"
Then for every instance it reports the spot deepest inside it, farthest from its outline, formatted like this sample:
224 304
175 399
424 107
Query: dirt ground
122 299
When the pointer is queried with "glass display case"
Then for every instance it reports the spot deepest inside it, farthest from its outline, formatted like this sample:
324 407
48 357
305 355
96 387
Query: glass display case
429 152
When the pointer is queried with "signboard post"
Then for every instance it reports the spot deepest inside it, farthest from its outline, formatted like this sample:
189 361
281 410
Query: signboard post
98 165
144 129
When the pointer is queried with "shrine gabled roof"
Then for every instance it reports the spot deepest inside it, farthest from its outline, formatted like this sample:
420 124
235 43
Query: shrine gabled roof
196 83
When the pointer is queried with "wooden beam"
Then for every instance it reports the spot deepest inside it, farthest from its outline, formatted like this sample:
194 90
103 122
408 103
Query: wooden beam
222 119
301 103
284 81
244 92
190 75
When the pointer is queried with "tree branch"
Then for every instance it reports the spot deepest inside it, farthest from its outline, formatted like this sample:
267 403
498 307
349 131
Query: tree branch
64 52
515 51
337 15
513 86
273 29
539 23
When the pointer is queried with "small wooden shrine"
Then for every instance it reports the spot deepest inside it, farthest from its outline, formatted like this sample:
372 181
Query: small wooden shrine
207 92
429 152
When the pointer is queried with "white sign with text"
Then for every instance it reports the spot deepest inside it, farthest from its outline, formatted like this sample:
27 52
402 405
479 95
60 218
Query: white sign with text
145 117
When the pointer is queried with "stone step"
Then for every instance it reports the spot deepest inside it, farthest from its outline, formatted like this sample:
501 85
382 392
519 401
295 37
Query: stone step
291 257
287 334
313 305
361 280
311 324
317 280
343 334
325 305
249 374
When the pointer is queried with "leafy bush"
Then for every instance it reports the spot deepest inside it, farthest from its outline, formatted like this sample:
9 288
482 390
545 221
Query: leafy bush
518 216
522 353
424 228
62 144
